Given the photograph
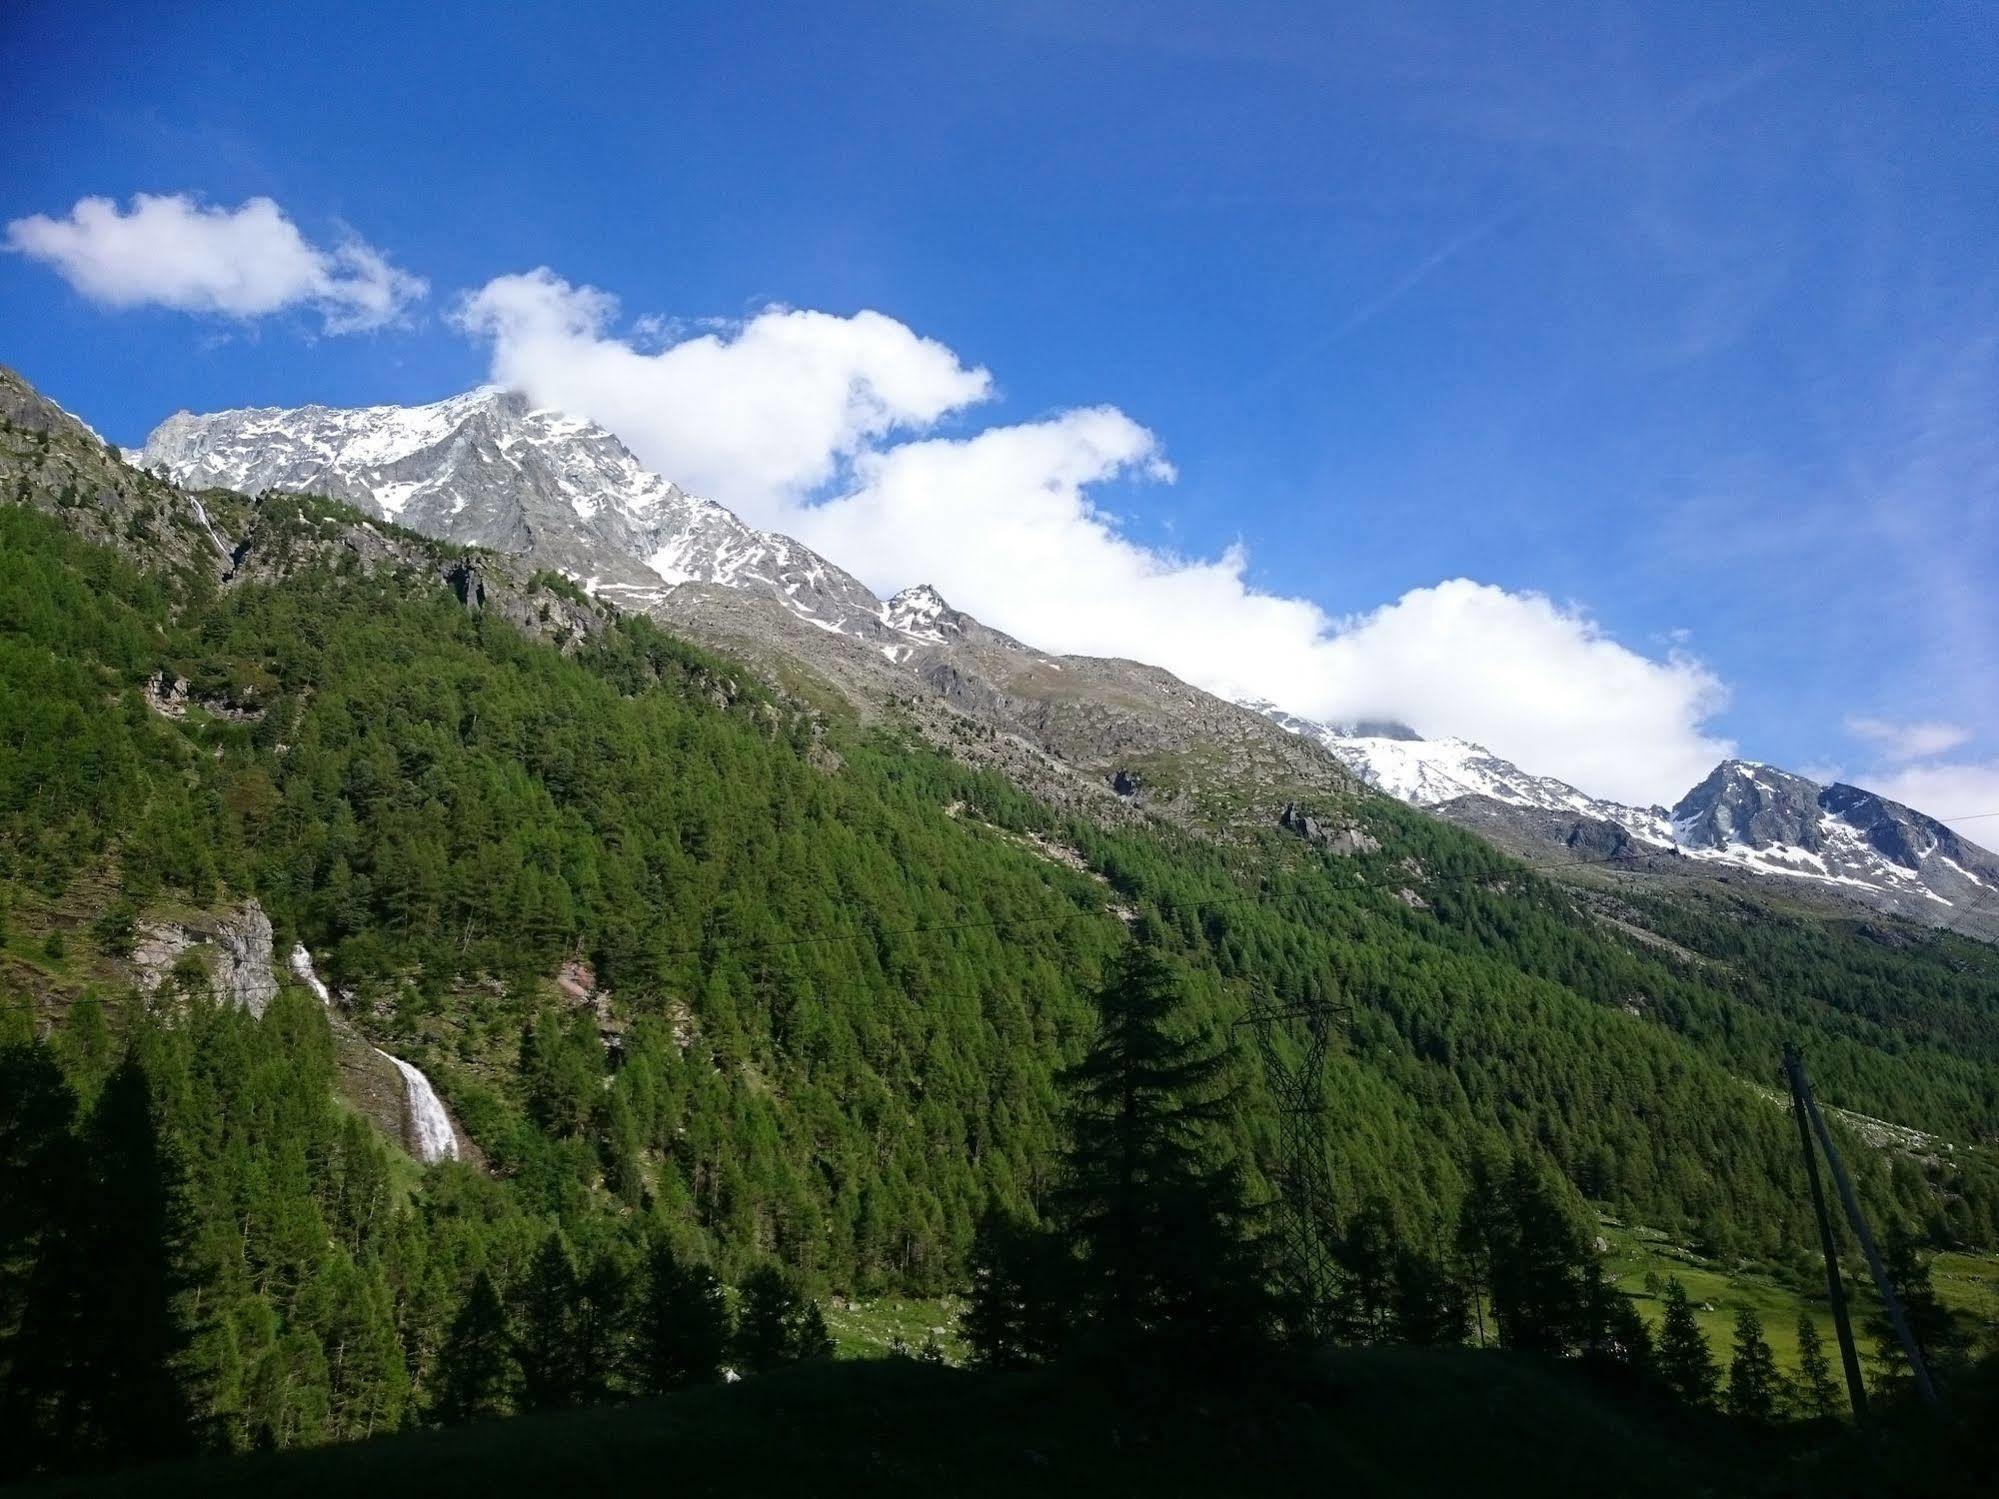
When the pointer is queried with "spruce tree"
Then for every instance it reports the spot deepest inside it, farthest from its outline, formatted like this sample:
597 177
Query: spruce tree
1814 1395
476 1364
1541 1263
1173 1273
1686 1363
1755 1387
547 1344
1021 1280
684 1330
778 1323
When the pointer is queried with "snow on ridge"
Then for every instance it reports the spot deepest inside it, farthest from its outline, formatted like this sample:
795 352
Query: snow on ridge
1431 772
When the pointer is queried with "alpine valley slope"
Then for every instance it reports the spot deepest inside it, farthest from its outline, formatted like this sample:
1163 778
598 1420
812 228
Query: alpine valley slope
487 469
1745 819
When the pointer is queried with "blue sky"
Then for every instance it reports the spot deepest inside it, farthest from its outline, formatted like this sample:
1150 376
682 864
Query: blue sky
1677 333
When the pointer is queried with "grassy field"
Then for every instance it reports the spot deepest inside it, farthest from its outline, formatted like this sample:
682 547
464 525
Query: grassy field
895 1324
1967 1283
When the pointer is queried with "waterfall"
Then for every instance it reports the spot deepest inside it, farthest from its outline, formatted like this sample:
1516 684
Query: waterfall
201 514
430 1126
301 964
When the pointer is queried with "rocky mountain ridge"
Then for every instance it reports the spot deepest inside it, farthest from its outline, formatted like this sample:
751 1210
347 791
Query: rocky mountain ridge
1743 816
487 469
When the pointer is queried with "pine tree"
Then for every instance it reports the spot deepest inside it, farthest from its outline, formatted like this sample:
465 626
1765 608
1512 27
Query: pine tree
1021 1283
547 1345
778 1323
477 1360
1755 1387
1814 1394
105 1330
1686 1363
1541 1264
684 1330
1173 1274
1932 1324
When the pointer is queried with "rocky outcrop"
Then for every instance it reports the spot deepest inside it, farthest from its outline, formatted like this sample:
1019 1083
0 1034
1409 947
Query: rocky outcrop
1347 839
52 462
243 973
233 948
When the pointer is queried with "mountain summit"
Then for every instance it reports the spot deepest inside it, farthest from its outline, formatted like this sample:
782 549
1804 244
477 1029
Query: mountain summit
1752 817
487 469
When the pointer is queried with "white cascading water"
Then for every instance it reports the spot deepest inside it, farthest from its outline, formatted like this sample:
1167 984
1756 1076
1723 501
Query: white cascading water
434 1140
301 962
207 525
429 1124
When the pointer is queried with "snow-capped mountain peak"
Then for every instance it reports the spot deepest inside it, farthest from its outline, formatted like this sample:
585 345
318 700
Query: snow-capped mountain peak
486 468
920 612
1744 814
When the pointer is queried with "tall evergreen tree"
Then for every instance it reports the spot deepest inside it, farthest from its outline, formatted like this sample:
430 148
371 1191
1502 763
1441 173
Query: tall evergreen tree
1814 1395
1616 1344
548 1345
38 1165
684 1329
477 1378
1686 1363
1022 1278
1755 1386
1430 1305
1365 1257
105 1329
1932 1324
1173 1271
778 1323
600 1325
1541 1263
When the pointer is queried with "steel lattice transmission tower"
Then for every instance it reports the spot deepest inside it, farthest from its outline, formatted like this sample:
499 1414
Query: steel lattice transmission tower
1297 1080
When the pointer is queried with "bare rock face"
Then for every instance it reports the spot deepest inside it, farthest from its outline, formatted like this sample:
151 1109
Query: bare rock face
244 975
1349 839
234 947
52 462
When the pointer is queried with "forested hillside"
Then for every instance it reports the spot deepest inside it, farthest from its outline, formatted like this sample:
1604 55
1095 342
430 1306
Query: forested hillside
700 969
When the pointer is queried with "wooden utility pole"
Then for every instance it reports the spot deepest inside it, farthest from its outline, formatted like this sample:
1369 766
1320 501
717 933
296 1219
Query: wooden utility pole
1897 1318
1856 1390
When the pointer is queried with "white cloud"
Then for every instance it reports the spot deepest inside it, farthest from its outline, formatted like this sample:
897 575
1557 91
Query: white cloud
764 417
247 262
1947 791
755 414
1908 741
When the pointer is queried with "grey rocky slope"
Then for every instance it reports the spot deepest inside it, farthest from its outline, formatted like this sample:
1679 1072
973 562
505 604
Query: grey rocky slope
486 469
1744 819
1114 736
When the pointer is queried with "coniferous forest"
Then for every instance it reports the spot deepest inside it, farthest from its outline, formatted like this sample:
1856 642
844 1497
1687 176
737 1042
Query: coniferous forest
741 1007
